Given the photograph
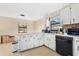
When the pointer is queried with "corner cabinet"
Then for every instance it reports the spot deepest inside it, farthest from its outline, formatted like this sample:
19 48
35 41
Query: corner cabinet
50 41
65 15
75 13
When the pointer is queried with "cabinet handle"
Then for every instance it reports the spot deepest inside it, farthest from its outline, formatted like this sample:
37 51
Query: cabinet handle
73 19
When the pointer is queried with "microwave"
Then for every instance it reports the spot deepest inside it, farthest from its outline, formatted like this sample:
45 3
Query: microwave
73 31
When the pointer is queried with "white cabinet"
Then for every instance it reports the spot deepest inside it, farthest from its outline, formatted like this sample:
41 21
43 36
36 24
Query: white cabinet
50 41
76 46
42 38
23 44
36 42
65 15
46 40
75 13
41 42
28 41
70 14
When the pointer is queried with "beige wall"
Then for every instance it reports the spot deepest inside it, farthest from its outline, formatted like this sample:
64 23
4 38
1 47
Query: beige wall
9 26
39 25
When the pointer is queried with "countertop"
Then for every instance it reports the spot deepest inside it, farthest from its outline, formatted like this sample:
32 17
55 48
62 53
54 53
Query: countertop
67 35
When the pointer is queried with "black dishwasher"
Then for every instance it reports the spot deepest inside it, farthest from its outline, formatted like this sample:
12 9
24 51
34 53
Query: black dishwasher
64 45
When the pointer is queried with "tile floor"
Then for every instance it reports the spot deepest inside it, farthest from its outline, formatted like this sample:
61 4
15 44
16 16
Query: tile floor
41 51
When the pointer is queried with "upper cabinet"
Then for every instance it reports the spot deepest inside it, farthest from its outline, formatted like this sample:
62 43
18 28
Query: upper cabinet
75 13
70 14
65 15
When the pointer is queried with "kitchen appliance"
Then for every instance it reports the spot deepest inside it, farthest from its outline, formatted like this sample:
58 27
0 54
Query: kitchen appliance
73 31
55 20
47 30
64 45
54 31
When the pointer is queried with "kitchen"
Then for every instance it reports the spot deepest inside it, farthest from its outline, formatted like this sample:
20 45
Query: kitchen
57 31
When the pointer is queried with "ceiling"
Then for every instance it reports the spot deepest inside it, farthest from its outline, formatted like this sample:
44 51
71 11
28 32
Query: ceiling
31 11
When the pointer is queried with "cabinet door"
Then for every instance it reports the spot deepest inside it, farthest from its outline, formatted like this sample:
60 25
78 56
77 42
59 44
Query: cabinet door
41 39
41 42
75 13
76 46
23 44
47 40
52 42
30 43
65 15
36 41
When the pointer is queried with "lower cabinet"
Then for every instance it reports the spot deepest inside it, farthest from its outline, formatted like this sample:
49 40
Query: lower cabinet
23 44
41 42
35 42
76 46
50 41
52 44
46 42
27 42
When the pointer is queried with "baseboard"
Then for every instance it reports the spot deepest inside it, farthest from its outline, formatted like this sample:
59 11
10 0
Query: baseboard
49 48
38 47
31 48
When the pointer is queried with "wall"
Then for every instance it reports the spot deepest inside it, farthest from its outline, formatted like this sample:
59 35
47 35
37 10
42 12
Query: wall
39 25
9 26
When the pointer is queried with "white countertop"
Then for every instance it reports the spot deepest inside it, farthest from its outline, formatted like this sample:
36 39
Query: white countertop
67 35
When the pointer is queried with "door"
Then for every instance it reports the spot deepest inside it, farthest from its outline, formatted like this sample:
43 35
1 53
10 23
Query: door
51 42
75 13
41 39
23 42
30 41
47 39
36 41
76 46
65 15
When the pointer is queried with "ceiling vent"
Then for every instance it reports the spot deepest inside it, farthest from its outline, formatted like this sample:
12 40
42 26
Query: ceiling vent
22 15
